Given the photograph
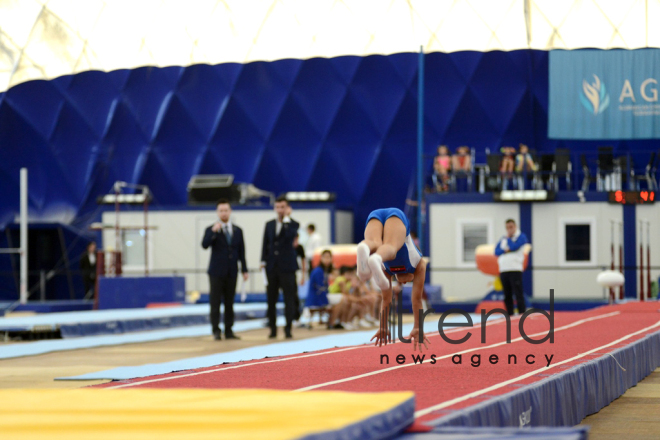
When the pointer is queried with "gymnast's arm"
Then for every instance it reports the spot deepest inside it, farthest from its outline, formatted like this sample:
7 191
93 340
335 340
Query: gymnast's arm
383 335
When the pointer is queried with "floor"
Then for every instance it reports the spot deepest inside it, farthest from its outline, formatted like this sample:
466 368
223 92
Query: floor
635 415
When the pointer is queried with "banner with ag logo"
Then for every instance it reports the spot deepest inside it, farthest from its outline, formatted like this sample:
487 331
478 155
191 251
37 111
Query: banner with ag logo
604 94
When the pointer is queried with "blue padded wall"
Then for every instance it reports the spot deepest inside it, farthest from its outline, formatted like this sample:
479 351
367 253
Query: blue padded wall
345 124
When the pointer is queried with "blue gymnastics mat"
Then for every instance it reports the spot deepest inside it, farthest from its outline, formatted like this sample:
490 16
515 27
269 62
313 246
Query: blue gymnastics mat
100 322
48 346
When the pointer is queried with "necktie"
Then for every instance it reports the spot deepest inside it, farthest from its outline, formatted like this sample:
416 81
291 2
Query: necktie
227 234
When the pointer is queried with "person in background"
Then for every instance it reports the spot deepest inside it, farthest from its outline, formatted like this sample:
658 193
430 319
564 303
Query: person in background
510 258
462 161
339 300
88 269
317 295
313 243
508 160
524 164
524 160
300 258
441 169
278 257
302 264
227 249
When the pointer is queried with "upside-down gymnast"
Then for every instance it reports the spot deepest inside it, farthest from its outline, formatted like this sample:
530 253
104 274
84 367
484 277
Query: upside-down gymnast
388 251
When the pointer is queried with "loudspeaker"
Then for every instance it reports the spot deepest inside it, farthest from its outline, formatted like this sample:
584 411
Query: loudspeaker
208 189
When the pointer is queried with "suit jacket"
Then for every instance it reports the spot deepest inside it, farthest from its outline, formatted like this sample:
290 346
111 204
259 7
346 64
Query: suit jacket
225 256
87 268
278 252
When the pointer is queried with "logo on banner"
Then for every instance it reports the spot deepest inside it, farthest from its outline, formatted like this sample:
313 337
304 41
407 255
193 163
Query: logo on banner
594 96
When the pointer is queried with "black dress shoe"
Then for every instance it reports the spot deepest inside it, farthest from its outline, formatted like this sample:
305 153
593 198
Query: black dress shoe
231 336
217 336
272 335
289 336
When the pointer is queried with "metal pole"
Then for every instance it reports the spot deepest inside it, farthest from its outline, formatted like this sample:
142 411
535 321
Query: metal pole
622 293
612 251
24 236
641 261
420 146
648 259
146 238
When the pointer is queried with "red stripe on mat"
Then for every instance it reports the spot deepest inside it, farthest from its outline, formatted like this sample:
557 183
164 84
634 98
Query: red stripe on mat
432 383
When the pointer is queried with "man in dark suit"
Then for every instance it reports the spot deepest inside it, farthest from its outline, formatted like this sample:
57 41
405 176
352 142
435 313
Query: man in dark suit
227 249
88 269
278 256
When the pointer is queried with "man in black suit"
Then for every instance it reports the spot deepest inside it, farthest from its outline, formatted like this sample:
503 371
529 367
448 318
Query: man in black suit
227 249
88 269
278 256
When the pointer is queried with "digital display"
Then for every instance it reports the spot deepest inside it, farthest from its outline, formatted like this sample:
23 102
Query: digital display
632 197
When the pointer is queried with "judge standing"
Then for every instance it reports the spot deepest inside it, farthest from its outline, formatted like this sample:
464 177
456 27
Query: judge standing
278 256
227 249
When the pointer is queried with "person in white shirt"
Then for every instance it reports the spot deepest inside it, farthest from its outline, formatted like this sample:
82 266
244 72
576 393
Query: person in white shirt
510 258
313 243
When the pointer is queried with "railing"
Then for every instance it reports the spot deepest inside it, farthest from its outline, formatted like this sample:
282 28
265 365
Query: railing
564 271
560 170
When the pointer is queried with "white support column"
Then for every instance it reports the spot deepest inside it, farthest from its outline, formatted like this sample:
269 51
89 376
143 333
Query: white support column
24 235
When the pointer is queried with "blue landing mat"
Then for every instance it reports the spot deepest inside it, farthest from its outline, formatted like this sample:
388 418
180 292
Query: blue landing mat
576 433
340 339
90 323
48 346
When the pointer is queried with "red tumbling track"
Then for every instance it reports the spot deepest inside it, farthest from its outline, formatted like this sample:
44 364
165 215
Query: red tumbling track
441 387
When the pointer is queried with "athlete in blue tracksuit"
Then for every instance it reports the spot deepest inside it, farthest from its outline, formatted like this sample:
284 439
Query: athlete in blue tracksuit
386 251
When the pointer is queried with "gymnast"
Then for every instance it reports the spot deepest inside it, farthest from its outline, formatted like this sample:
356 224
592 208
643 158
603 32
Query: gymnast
388 251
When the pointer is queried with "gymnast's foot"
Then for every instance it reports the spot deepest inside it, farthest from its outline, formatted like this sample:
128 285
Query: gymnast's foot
376 266
363 270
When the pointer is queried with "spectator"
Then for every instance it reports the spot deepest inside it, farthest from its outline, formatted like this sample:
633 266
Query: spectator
336 297
227 249
524 160
278 257
441 169
525 165
88 269
509 251
313 243
462 161
508 160
317 294
300 258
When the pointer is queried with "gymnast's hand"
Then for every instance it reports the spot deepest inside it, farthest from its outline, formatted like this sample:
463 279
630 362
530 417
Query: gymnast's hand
383 335
414 337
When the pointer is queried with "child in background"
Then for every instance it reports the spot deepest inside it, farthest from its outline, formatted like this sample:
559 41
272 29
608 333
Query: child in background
441 168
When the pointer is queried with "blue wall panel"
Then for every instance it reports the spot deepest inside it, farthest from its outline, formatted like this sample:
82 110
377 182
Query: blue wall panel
345 124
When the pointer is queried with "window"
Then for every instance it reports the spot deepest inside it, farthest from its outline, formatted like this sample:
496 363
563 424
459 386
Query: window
470 234
577 242
133 249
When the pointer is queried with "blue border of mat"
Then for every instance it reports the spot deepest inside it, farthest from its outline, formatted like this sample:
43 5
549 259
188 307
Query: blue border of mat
380 426
455 433
566 398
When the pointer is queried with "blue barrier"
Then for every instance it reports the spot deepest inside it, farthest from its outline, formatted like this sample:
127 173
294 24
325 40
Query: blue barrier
564 399
136 292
